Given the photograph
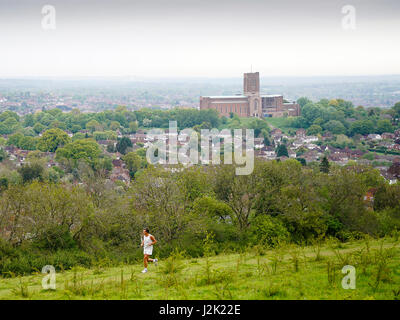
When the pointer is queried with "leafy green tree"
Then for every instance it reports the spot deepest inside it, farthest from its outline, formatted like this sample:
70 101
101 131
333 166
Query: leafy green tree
396 109
324 165
282 151
52 139
75 128
111 147
123 144
384 126
303 101
314 130
93 125
85 149
3 183
133 162
114 125
362 127
30 172
3 154
14 139
29 120
335 127
38 127
302 161
310 112
9 125
133 126
8 114
28 143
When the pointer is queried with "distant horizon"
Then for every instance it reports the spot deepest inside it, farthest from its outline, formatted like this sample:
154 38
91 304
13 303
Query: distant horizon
176 77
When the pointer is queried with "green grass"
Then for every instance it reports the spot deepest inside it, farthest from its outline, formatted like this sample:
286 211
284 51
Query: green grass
281 123
288 272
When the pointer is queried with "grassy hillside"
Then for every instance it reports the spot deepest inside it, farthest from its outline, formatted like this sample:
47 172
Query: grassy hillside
282 123
287 272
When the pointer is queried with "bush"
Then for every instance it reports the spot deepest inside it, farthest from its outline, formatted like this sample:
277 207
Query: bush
389 221
268 230
26 261
54 238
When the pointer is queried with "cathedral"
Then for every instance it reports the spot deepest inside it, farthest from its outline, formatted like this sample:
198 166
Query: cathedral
251 103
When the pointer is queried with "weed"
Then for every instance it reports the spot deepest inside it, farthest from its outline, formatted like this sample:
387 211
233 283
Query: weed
22 289
331 270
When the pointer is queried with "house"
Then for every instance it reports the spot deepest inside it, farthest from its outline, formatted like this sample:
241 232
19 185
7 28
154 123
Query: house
374 136
300 133
388 135
292 154
327 135
311 146
120 174
309 139
389 177
310 156
258 143
339 157
139 137
117 163
269 152
276 132
394 170
297 143
394 147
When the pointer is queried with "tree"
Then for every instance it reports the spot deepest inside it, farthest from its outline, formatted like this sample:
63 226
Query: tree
52 139
110 147
9 125
384 126
310 112
114 125
133 126
396 109
158 199
133 162
302 161
85 149
362 127
303 101
93 125
335 126
3 154
324 165
282 151
38 127
31 172
123 144
314 130
238 192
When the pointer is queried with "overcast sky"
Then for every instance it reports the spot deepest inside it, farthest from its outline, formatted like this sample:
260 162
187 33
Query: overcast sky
199 38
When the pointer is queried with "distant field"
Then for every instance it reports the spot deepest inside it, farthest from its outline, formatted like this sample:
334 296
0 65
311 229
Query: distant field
281 123
289 272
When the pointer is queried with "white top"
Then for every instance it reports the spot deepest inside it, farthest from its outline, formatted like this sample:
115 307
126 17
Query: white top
147 241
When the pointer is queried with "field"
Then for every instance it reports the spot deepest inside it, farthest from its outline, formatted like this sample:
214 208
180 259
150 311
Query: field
287 272
281 123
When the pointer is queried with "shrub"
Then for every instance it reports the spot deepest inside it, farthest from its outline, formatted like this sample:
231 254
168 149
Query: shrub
268 230
54 238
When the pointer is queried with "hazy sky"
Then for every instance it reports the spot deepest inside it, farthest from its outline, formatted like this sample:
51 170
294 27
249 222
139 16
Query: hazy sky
206 38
